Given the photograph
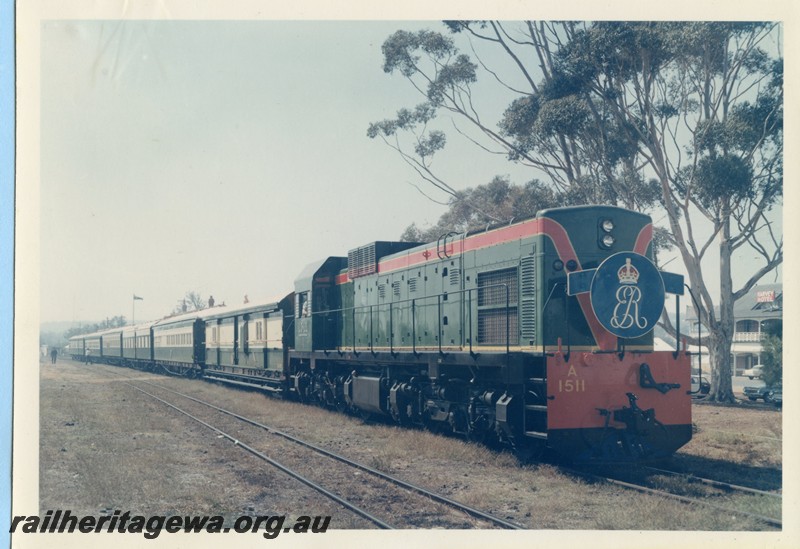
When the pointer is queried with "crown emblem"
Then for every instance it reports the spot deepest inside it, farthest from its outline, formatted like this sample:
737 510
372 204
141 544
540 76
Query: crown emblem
628 273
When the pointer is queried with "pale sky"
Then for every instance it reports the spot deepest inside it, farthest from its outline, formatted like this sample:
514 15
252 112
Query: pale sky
218 157
222 157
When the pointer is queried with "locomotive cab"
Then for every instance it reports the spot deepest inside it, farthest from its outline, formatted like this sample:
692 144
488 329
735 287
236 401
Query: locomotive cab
316 305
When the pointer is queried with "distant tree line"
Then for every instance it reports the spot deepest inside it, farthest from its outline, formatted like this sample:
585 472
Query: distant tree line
107 324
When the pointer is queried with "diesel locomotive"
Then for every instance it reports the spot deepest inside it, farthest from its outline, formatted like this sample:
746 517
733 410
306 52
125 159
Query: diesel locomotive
536 334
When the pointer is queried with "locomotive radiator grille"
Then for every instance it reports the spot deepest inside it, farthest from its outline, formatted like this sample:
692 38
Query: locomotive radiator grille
492 326
498 293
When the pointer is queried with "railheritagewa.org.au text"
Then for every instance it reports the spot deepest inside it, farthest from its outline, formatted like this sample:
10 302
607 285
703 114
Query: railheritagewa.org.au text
151 527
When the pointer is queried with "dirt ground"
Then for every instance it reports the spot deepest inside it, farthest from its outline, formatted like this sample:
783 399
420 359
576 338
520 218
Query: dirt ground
105 446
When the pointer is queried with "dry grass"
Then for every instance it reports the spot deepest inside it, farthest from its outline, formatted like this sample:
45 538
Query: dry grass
126 451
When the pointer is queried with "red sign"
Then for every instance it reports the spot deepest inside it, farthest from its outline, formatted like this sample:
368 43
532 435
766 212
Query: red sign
765 296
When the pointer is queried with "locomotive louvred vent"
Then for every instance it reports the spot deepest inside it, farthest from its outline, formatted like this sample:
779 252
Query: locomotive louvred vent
396 288
361 261
528 299
455 277
412 284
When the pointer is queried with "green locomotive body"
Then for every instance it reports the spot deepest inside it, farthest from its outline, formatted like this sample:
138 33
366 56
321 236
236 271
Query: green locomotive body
460 334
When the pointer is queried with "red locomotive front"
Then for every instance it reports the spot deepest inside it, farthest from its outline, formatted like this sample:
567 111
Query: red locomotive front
611 407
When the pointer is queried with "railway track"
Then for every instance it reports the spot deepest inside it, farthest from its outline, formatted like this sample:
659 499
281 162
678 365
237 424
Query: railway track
623 481
400 490
713 498
692 478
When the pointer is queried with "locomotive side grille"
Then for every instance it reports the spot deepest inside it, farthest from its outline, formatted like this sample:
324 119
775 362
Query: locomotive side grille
528 300
382 291
364 260
396 288
492 287
498 293
492 326
412 284
455 277
361 261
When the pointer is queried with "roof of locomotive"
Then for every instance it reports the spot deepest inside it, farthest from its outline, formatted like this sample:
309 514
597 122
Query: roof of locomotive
566 210
303 280
549 212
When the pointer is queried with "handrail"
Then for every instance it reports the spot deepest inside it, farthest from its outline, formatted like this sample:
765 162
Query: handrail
699 352
544 308
354 309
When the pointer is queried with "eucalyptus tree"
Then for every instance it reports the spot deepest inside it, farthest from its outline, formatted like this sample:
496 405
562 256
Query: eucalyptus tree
682 116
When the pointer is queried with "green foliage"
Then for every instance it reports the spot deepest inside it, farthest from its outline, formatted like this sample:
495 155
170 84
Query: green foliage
398 50
430 143
476 208
772 351
727 177
406 119
772 358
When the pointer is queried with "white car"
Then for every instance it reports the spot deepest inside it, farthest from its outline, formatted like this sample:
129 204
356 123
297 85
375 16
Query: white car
753 373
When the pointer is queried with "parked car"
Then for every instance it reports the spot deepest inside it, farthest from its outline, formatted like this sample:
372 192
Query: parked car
767 394
753 373
775 396
700 386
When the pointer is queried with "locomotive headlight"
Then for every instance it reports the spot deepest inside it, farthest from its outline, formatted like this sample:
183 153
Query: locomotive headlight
607 226
608 241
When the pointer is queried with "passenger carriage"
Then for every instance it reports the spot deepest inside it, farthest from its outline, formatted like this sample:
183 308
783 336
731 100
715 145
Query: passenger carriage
254 337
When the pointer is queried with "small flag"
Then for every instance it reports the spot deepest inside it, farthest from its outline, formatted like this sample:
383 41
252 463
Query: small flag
135 297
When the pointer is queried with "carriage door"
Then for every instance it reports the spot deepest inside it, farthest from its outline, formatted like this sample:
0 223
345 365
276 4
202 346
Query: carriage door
243 345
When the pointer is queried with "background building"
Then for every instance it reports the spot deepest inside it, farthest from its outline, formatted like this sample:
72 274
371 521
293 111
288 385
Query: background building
753 315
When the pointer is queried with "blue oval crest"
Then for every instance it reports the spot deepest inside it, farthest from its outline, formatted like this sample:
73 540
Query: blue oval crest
627 294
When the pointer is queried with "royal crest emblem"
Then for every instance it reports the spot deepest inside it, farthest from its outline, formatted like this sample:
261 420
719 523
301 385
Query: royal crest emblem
627 294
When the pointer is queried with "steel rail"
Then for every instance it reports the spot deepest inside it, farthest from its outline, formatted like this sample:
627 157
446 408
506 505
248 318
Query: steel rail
385 476
683 499
290 472
691 477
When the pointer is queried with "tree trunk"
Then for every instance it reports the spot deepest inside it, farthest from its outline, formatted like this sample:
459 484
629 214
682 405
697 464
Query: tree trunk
721 338
719 350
